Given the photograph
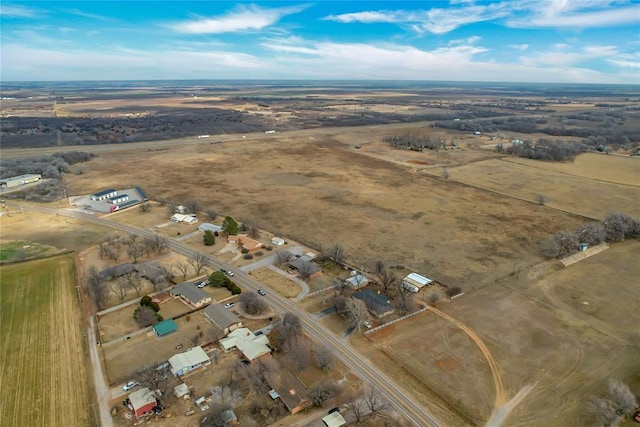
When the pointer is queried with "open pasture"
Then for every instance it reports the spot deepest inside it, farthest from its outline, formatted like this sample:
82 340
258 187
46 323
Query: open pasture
43 376
313 190
584 195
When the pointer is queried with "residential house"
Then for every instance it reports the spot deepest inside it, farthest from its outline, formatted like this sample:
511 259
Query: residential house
191 294
191 359
187 219
142 402
252 347
223 318
357 281
205 226
151 270
290 390
117 271
305 264
229 418
245 242
378 304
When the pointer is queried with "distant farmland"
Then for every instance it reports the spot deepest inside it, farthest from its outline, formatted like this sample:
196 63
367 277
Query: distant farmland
42 377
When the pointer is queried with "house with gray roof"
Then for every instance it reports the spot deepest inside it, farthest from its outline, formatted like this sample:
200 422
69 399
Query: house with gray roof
378 304
191 294
305 264
117 271
222 317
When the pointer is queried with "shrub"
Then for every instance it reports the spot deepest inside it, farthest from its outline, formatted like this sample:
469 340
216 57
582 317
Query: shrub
269 248
235 290
248 256
154 305
259 253
245 251
145 300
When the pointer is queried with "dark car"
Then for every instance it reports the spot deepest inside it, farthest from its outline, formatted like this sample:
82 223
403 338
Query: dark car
262 292
258 333
336 409
223 270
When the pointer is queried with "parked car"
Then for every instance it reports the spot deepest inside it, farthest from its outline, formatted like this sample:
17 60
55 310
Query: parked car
258 333
230 273
129 385
332 410
228 305
223 270
201 284
179 346
262 292
367 324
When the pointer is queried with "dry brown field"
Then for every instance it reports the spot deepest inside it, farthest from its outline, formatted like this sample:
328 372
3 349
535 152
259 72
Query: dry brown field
317 190
557 333
594 166
585 195
43 376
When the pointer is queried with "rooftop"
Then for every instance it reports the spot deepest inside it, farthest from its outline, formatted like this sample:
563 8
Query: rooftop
300 263
190 292
142 397
418 279
222 317
244 340
104 192
189 358
165 327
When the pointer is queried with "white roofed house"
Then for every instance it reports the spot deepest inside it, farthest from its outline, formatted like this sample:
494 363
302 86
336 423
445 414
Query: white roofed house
191 359
187 219
246 342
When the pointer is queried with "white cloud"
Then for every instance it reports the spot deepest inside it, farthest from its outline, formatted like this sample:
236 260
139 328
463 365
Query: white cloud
243 18
562 55
523 46
468 40
627 60
11 11
515 13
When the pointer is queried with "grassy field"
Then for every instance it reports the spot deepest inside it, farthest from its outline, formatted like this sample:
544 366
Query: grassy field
566 184
43 377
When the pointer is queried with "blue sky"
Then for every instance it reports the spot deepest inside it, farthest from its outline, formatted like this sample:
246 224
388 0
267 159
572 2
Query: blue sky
573 41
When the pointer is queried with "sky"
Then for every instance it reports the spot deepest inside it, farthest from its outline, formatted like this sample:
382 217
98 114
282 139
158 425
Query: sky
549 41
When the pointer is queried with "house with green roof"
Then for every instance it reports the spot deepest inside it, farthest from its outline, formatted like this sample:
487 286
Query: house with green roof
165 327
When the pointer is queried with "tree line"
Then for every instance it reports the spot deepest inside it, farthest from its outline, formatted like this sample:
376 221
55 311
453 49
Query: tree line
545 149
615 227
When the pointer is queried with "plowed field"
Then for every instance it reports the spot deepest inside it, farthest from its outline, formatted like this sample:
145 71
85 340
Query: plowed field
42 376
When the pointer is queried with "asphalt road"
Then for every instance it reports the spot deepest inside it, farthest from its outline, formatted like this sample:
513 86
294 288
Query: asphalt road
386 386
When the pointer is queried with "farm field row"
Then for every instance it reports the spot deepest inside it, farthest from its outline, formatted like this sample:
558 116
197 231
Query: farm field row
577 194
43 376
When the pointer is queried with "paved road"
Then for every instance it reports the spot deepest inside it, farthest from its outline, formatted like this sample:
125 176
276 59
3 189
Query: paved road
386 386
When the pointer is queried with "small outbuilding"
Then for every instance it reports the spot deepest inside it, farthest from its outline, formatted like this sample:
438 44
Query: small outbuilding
291 391
16 181
278 241
165 327
417 280
104 195
142 402
187 219
334 419
181 391
357 281
229 418
119 198
205 226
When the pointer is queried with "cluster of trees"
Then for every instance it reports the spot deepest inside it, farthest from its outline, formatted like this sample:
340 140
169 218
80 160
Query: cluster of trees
147 313
220 280
546 149
618 403
252 304
614 227
209 239
415 142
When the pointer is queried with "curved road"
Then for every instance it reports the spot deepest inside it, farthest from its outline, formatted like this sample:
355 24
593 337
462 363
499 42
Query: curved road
386 386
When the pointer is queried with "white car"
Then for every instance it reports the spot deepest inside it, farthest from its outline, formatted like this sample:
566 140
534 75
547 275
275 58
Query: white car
230 273
201 284
228 305
128 386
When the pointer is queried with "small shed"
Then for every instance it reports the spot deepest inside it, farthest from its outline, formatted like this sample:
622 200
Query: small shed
104 194
229 418
357 281
278 241
181 391
165 327
334 419
206 226
142 402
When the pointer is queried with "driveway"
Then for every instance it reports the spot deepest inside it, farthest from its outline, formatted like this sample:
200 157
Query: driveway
102 389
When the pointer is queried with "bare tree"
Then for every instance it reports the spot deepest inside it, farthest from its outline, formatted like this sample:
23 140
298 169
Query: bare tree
324 357
258 373
252 304
541 199
212 213
374 401
198 262
136 284
322 392
97 287
623 399
225 396
160 243
339 285
135 251
433 299
445 173
193 205
604 411
560 245
387 280
298 351
119 288
145 316
166 273
145 206
283 256
153 379
132 237
183 268
379 267
335 253
305 269
406 302
357 406
289 326
357 310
